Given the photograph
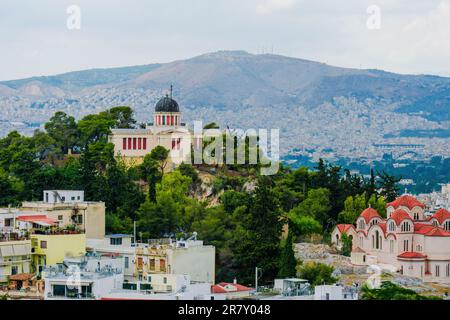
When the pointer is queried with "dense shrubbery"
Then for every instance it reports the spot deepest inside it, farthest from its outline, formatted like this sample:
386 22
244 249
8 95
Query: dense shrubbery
316 273
392 291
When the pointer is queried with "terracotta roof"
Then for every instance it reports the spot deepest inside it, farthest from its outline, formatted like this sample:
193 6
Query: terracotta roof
438 232
38 219
406 201
399 215
441 215
343 228
382 225
21 277
412 255
225 287
358 250
430 230
369 214
362 231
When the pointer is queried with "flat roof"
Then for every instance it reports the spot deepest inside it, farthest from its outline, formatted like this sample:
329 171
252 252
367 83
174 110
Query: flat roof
118 236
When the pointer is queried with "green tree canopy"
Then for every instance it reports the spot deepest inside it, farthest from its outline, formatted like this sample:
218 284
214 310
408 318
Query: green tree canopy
288 262
63 129
391 291
317 273
316 205
122 117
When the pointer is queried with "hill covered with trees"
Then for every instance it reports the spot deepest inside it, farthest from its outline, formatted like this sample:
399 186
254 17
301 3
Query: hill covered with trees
252 220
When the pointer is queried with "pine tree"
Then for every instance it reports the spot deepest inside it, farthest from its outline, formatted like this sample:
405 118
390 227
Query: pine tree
258 243
389 186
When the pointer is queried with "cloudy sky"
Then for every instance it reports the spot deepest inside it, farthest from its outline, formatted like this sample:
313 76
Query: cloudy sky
413 35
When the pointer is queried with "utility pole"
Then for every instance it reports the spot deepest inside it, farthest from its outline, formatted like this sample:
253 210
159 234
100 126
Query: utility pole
134 230
256 279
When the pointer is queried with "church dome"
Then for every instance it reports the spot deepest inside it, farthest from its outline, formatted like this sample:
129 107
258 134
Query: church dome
167 104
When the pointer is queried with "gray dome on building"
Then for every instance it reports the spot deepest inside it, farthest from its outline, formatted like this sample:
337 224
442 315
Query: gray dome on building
167 104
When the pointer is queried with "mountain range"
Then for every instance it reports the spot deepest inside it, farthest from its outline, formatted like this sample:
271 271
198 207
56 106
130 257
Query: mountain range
240 89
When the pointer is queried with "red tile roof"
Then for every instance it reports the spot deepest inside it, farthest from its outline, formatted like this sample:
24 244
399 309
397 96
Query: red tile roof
438 232
225 287
430 230
441 215
369 214
39 219
343 228
406 201
412 255
399 215
21 277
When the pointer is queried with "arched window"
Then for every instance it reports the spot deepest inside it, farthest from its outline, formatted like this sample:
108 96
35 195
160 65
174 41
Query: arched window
378 238
337 239
416 216
361 224
447 225
392 226
406 227
435 223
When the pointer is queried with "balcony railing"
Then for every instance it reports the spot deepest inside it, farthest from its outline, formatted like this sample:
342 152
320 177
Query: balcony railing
56 232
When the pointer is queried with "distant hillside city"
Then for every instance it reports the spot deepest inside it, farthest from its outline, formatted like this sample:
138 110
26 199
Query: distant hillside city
322 111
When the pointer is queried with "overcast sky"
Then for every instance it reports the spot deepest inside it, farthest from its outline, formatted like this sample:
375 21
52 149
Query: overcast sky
34 38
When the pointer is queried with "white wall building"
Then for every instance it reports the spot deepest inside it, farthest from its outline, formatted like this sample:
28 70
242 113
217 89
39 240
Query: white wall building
63 196
167 130
83 278
416 244
334 292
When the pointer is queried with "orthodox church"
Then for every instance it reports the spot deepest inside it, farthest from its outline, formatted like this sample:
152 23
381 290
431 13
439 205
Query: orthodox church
414 244
167 130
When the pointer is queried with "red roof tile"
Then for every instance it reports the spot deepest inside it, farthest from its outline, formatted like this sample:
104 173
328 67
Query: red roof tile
438 232
406 201
21 277
399 215
369 214
430 230
412 255
38 219
343 228
441 215
225 287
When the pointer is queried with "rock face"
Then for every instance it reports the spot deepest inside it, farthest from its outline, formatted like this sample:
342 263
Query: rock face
322 253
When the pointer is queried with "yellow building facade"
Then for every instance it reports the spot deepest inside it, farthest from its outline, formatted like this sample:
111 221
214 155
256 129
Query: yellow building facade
15 258
88 216
50 249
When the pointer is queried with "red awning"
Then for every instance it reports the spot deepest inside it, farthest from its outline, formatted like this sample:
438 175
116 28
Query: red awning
38 219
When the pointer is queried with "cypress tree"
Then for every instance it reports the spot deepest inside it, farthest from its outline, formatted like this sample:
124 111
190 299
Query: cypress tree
288 263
